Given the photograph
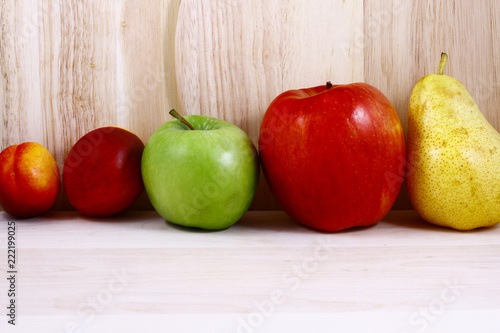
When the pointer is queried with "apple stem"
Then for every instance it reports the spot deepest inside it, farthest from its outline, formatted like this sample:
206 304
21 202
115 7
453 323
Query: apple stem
177 116
328 85
444 58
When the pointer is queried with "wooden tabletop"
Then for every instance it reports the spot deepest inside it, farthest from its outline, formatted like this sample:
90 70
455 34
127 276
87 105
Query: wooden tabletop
138 273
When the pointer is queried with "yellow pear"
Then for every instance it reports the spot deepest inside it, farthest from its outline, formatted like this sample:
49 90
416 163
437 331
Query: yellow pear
453 175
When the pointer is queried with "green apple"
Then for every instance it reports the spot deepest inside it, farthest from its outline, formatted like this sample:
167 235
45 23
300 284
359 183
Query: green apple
204 177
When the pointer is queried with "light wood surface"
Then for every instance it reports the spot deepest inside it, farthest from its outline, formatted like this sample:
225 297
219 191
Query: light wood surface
137 272
69 67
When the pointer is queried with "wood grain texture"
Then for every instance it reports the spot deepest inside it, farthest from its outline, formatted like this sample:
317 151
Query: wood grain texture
106 275
67 67
234 57
146 69
403 41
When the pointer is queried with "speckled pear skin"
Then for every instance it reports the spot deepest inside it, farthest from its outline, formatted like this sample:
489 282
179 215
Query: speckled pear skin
453 176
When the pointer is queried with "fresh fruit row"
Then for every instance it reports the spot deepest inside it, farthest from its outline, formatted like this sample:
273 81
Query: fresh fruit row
334 157
101 175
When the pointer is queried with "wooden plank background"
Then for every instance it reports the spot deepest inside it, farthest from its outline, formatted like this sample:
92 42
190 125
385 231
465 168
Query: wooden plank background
67 67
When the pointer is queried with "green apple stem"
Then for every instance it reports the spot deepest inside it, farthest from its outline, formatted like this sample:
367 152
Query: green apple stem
444 58
177 116
328 85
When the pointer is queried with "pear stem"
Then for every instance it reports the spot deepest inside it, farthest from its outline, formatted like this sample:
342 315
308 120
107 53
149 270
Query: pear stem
444 59
177 116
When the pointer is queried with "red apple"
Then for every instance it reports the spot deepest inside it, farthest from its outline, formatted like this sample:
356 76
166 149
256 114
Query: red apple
29 179
102 172
333 156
